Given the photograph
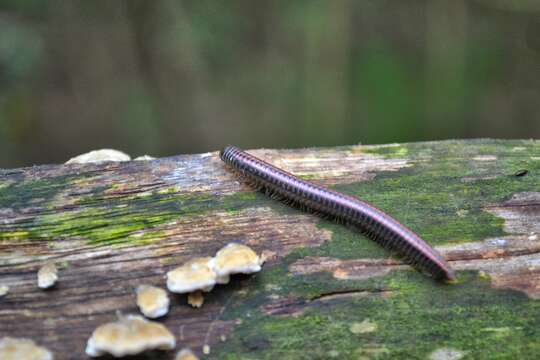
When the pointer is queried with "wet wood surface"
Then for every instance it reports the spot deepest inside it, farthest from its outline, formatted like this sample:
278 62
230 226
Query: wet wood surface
110 227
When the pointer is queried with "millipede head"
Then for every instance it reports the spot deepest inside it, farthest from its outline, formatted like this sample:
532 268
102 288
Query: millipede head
225 151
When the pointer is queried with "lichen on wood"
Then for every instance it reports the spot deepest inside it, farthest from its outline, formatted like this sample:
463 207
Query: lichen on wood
117 225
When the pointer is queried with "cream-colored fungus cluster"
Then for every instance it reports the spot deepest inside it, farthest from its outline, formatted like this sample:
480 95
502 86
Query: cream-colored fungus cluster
202 274
133 334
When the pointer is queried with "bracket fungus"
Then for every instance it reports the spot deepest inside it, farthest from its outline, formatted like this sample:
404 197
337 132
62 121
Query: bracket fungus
201 274
191 278
47 276
194 275
4 289
186 354
19 348
152 301
99 156
130 335
236 258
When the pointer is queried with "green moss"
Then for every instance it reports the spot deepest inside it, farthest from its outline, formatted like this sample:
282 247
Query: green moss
388 151
14 235
442 198
233 204
344 244
114 221
146 237
107 220
418 317
32 192
309 177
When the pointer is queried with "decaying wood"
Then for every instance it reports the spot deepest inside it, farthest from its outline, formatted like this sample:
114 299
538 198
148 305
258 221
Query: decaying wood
110 227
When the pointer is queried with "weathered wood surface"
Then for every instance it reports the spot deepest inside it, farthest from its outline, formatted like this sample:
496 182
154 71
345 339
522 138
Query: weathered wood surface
325 291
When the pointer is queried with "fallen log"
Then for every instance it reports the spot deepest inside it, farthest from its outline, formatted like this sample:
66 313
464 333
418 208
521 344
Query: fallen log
324 292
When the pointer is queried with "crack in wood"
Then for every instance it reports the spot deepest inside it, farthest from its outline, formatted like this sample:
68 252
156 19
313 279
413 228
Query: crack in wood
340 294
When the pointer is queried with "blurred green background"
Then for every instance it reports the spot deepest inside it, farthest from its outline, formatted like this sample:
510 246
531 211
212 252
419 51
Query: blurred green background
166 77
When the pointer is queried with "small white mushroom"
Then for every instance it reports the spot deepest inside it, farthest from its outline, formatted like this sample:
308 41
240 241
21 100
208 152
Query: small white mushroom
236 259
186 354
47 276
19 348
195 299
152 301
194 275
130 335
4 289
98 156
206 349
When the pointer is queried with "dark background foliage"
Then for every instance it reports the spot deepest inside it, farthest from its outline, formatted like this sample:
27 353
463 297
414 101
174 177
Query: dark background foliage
164 77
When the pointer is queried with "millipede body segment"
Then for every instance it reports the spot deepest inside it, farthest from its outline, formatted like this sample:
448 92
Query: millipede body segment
347 209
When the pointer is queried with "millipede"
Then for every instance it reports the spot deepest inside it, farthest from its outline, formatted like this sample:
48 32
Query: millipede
347 209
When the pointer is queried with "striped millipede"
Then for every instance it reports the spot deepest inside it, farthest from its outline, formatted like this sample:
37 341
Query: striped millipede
347 209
